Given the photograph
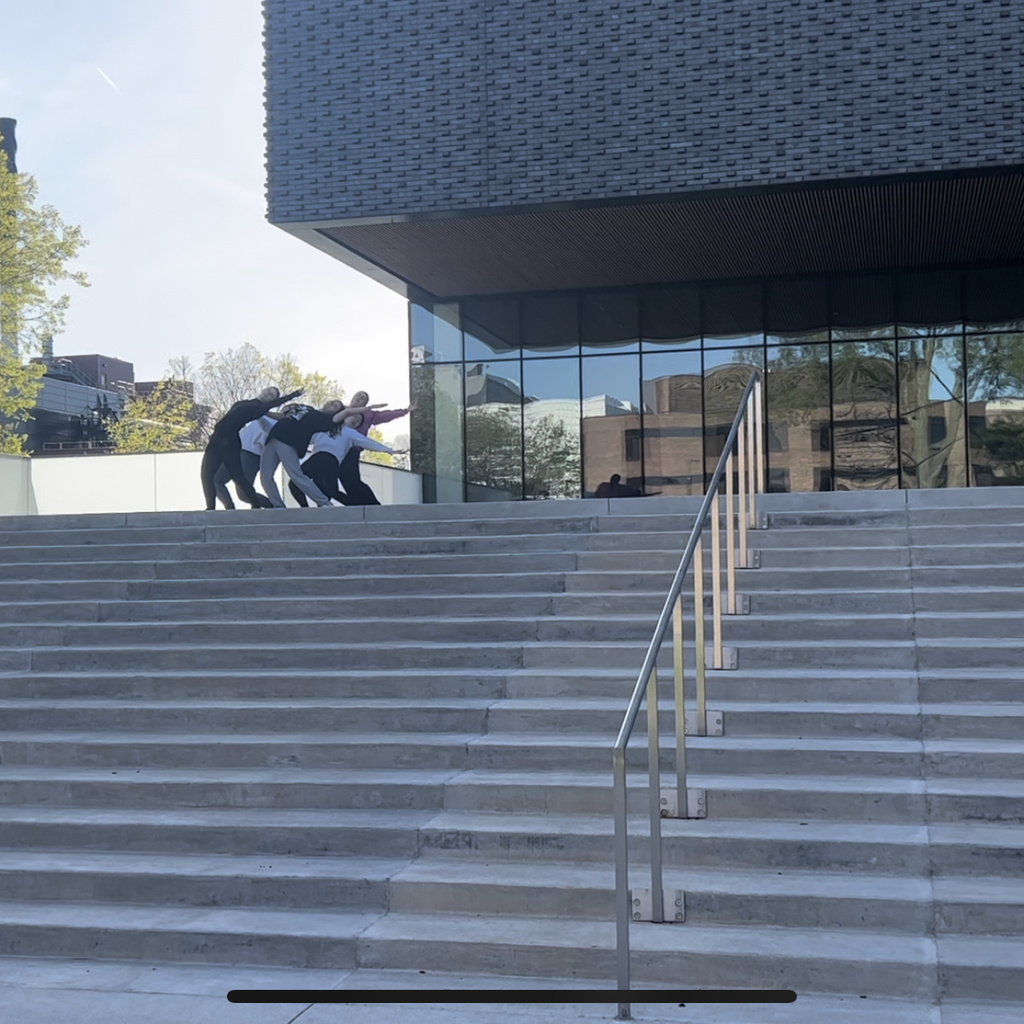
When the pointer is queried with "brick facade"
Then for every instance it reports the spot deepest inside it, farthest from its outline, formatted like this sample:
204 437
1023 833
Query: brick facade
377 109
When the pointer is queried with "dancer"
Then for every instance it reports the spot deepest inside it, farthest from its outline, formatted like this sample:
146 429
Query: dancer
252 436
357 492
327 452
225 446
287 443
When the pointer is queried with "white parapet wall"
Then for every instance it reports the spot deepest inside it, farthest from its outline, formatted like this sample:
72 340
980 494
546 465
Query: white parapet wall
162 482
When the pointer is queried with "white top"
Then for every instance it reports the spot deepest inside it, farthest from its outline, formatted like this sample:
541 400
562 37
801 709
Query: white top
254 434
342 443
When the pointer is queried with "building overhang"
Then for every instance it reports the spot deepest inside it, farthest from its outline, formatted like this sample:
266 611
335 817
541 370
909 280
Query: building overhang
846 226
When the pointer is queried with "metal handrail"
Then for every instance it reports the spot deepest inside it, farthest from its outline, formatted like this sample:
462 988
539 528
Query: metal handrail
751 481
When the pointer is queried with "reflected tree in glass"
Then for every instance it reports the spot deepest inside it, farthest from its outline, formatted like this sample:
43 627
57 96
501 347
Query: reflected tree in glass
932 449
551 428
494 456
436 430
995 391
864 415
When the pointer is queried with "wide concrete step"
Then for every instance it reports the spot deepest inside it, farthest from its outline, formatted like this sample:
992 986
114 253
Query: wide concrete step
237 830
834 797
473 629
285 658
278 787
280 937
721 956
789 755
908 720
197 880
957 849
405 587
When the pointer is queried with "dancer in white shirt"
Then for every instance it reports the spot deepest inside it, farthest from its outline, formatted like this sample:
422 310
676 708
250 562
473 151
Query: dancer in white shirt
326 454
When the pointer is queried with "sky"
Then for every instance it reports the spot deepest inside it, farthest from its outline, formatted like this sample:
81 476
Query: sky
143 123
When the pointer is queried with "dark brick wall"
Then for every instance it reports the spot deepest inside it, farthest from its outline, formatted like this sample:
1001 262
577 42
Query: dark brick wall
387 107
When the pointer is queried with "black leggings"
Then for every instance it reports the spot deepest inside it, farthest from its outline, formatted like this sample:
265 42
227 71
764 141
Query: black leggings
356 492
322 469
226 450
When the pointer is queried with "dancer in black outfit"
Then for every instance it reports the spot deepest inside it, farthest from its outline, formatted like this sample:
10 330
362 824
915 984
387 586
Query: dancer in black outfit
225 447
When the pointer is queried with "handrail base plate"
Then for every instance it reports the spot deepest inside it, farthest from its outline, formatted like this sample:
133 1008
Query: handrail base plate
673 905
696 803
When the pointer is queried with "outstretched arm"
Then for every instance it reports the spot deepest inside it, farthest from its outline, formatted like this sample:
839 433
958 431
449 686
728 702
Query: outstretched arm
355 410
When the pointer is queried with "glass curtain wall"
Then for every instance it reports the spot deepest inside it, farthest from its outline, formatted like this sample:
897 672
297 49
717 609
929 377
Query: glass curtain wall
873 381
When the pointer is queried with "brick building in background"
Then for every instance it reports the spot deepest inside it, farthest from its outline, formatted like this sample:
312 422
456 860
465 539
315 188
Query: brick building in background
603 204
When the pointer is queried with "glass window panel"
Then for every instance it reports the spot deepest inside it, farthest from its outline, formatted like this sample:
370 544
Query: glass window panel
611 422
550 324
436 430
494 431
798 418
932 449
673 424
864 415
732 314
434 335
609 320
726 374
551 428
491 327
995 299
862 307
670 315
796 311
995 408
929 303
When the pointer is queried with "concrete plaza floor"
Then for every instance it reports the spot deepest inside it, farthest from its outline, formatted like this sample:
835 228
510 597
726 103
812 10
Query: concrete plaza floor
38 991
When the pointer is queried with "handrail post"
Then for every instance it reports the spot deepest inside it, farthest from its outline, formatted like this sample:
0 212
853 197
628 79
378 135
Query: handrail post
741 479
623 909
680 695
730 545
654 775
752 463
759 433
716 587
698 634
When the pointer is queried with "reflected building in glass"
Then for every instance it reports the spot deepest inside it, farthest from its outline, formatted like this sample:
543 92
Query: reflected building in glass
605 216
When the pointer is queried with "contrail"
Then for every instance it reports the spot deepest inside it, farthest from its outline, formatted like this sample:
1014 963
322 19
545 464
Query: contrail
109 81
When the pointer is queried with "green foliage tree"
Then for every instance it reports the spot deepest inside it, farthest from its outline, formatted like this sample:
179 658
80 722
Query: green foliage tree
36 248
235 374
162 421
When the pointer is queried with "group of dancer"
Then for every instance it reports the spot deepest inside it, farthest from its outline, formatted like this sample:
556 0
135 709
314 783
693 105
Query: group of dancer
252 438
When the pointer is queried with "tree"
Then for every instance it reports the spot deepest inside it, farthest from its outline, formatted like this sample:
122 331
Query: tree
159 422
36 247
236 374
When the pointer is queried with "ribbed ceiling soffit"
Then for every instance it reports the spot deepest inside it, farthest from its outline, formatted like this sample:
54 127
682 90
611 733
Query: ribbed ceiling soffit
896 224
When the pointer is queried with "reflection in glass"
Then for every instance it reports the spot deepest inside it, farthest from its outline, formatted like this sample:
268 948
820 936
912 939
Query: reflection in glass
670 315
726 374
796 311
862 306
994 299
611 422
550 324
929 303
798 415
491 327
673 434
551 428
494 457
434 335
932 450
732 314
864 415
436 430
995 408
609 320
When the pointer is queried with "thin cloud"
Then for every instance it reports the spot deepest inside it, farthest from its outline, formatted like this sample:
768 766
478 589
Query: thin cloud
106 78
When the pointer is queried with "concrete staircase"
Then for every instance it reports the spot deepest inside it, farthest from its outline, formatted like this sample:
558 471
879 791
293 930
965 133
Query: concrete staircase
380 739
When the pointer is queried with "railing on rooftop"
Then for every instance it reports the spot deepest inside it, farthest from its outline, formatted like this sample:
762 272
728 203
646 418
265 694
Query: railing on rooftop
741 470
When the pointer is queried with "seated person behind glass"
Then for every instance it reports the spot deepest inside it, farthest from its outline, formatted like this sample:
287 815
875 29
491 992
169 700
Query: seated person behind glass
614 488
